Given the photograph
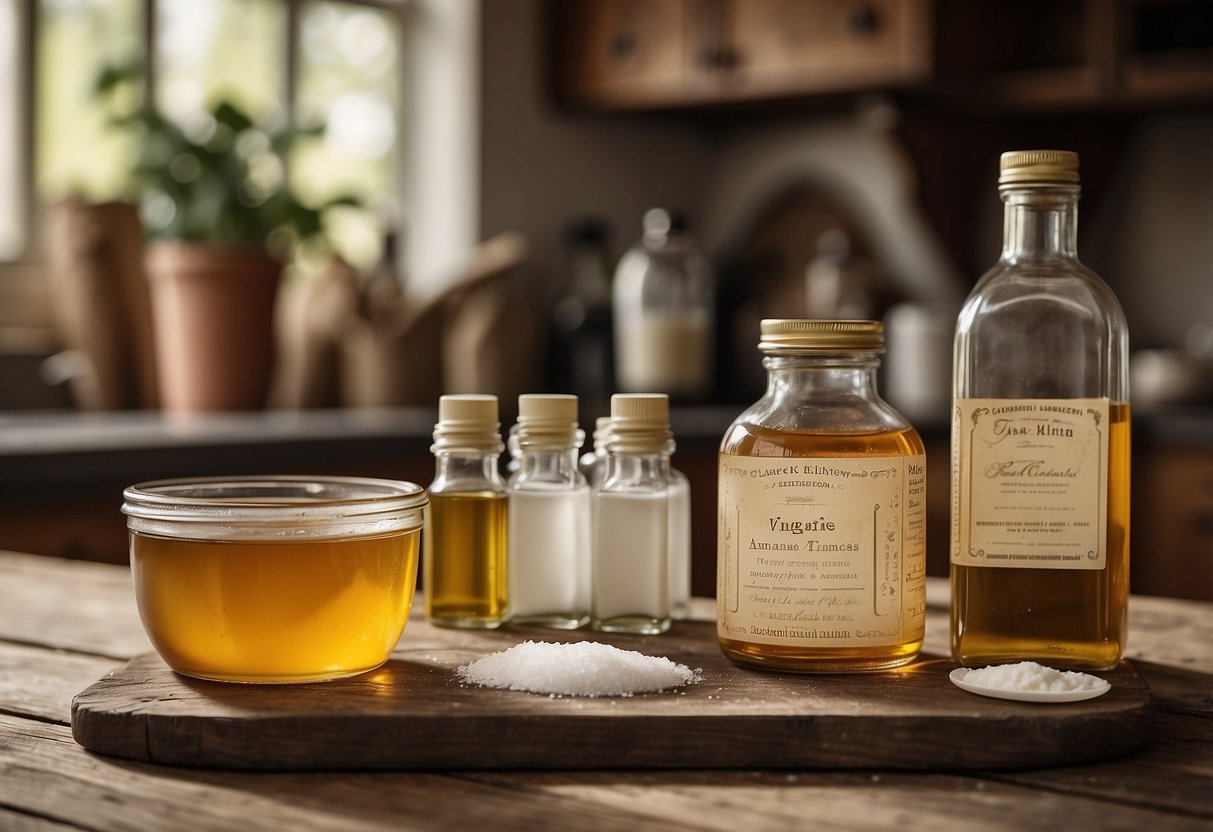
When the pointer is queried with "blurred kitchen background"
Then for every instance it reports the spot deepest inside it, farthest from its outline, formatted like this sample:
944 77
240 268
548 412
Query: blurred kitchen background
484 195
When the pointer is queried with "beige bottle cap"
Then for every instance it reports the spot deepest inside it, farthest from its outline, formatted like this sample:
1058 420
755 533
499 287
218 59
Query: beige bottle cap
548 421
467 422
1038 167
782 336
602 426
640 408
640 423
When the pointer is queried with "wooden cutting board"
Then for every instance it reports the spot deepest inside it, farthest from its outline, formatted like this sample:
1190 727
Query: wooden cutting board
413 713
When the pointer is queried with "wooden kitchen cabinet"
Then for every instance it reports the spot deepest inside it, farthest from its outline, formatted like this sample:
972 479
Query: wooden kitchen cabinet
790 47
990 56
1171 536
637 54
622 52
1012 55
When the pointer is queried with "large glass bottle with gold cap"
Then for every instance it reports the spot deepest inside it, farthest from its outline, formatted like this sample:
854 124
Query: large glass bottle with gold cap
821 510
1040 441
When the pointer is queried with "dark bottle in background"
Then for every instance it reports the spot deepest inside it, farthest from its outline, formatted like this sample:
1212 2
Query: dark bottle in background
582 361
382 287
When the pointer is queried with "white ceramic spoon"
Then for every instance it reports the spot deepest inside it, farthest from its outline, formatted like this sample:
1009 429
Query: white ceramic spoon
957 677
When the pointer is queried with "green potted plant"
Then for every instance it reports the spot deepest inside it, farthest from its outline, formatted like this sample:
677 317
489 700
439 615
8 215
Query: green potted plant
220 222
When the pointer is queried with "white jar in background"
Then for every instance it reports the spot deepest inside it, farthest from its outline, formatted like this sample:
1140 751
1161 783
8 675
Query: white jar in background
918 364
664 308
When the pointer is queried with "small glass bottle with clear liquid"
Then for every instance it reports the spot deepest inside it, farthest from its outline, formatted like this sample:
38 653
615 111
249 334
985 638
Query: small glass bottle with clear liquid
632 519
549 517
465 564
821 552
1040 440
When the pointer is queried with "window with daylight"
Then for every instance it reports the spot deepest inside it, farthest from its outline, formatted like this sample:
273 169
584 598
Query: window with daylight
349 71
76 150
336 63
12 225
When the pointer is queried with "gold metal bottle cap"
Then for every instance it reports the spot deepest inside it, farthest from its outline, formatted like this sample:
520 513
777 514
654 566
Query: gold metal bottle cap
785 336
1043 167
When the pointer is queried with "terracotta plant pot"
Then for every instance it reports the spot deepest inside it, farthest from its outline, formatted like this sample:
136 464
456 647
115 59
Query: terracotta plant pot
99 297
213 319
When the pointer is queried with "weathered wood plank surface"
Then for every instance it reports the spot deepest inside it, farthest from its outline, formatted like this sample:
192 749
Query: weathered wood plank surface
12 822
48 776
64 624
874 802
40 683
1161 777
70 605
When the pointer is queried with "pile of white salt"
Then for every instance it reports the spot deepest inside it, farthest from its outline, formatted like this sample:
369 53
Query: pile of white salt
583 668
1030 676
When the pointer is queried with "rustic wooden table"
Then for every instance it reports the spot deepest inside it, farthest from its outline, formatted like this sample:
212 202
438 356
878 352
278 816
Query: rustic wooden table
65 624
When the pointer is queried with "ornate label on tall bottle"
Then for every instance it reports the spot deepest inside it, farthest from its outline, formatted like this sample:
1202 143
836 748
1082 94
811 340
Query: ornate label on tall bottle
1030 483
822 551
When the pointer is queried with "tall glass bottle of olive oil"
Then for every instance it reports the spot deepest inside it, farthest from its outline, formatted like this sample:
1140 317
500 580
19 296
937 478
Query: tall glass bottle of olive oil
1040 440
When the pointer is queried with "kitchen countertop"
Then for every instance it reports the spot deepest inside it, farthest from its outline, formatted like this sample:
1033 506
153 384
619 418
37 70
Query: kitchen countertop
64 624
56 448
48 449
62 474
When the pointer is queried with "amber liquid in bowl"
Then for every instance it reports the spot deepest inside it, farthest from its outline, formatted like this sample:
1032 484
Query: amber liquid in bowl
301 610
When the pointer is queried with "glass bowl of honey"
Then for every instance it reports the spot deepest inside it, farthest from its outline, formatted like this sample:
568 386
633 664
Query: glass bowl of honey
276 579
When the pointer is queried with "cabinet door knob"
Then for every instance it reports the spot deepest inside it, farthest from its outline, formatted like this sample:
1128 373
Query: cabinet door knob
863 20
623 45
1202 524
719 57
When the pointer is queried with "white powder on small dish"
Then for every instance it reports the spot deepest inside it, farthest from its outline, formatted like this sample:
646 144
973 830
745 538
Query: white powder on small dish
1030 676
584 668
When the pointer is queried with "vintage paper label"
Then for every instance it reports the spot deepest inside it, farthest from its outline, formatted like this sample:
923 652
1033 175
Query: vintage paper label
1030 483
822 551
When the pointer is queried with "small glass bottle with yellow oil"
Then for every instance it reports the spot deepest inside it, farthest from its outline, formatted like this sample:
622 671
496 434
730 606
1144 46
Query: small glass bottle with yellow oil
465 570
822 548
